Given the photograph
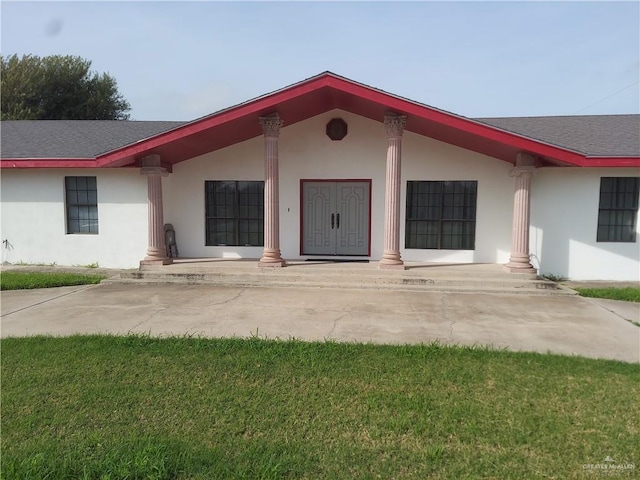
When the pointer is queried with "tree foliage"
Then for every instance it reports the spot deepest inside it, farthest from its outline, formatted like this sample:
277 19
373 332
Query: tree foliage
58 87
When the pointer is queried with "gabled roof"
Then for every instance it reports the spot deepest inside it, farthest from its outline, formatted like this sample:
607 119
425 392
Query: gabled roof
609 140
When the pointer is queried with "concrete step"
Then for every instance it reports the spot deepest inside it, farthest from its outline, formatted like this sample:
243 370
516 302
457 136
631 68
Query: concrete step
369 279
382 280
474 271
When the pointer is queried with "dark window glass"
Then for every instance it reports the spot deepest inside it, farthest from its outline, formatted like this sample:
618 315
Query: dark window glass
82 204
234 213
441 215
618 209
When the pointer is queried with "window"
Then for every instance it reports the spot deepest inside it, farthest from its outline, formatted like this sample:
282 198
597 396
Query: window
82 204
234 213
441 215
618 209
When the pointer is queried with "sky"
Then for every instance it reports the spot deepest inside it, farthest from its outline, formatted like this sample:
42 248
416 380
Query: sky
182 60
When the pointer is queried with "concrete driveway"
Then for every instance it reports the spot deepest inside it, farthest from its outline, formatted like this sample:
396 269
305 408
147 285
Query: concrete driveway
559 324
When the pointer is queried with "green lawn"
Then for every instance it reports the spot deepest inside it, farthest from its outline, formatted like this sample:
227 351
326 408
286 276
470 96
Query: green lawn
103 407
12 280
628 294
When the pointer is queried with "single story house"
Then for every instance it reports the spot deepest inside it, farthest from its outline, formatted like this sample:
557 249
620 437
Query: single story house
328 168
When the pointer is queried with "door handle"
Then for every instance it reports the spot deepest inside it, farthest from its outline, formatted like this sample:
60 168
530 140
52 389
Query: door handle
332 220
337 220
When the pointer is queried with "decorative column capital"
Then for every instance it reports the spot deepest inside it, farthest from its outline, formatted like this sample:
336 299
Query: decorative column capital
394 125
151 166
271 125
154 171
520 171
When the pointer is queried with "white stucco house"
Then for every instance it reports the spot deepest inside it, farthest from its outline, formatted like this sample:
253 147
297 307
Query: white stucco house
328 168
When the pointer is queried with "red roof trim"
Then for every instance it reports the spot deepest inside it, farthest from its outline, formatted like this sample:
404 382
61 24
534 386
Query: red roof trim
268 103
48 163
395 103
409 107
261 105
632 162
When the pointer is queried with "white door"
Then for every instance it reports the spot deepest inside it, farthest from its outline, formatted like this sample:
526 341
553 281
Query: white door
335 217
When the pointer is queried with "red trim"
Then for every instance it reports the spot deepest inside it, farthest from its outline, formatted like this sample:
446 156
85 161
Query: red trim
317 95
334 180
633 162
583 161
261 106
48 163
411 109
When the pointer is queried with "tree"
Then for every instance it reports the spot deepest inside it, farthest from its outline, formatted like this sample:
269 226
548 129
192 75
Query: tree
58 87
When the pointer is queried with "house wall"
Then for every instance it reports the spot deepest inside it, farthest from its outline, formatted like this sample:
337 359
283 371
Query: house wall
305 152
564 219
34 223
564 204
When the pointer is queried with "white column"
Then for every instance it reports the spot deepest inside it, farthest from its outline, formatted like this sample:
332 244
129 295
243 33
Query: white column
519 260
271 256
156 250
394 126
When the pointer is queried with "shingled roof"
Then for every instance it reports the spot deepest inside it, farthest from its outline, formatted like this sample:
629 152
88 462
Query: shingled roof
73 138
592 135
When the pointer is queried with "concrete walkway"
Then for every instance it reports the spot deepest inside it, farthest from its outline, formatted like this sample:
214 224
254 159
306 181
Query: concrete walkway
559 324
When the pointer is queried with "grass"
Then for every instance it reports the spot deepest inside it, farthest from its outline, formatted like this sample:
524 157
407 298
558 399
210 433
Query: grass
100 407
26 280
37 264
90 265
554 278
628 294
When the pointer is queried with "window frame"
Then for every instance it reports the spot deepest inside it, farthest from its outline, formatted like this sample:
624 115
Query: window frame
237 218
80 198
412 221
616 203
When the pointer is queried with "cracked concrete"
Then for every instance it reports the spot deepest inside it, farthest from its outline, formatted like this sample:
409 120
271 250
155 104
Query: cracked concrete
568 325
628 311
42 296
333 328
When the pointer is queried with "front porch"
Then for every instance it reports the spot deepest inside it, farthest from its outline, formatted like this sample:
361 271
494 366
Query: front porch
470 216
327 274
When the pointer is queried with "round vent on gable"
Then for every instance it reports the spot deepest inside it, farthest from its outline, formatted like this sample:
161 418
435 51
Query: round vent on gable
336 129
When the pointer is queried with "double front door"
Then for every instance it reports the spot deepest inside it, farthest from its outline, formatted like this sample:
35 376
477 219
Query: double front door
335 217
